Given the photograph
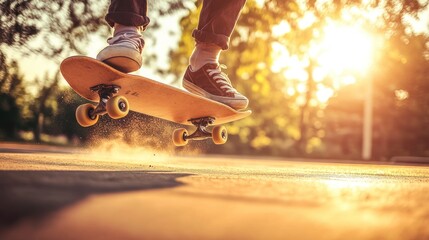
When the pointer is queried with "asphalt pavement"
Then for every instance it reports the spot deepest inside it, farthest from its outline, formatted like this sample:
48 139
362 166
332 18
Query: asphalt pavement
56 193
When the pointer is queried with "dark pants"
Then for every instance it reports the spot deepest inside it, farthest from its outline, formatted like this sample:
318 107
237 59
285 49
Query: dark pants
217 18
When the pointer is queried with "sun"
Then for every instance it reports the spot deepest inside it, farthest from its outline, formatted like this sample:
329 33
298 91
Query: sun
345 48
343 53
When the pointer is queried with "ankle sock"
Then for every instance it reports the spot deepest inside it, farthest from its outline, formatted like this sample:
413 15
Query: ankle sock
204 53
118 29
129 36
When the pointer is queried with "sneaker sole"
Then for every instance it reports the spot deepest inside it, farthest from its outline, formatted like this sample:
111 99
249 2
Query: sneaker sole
237 104
121 58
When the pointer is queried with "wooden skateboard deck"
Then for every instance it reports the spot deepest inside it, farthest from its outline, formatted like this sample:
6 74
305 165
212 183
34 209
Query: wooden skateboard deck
112 89
145 95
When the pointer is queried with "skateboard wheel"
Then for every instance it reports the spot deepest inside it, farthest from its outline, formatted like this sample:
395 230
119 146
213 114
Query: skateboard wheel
219 135
83 115
117 107
179 137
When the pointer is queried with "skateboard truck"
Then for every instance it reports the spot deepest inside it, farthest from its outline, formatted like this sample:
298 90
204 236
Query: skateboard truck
201 132
218 133
115 106
105 92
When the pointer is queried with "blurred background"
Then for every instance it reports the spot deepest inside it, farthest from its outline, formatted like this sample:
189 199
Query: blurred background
346 79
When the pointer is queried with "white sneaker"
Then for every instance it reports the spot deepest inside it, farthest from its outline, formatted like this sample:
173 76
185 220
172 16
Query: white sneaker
124 51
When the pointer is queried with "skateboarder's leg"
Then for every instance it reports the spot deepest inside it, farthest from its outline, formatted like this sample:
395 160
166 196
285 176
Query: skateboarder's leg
204 75
128 13
128 19
216 23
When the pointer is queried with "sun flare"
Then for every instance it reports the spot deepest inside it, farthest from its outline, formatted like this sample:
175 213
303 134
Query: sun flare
342 53
345 48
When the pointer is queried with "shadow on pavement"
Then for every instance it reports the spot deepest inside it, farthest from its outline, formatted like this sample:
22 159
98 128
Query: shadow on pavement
26 194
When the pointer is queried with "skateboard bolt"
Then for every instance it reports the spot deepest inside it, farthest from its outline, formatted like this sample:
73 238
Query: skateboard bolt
91 114
122 106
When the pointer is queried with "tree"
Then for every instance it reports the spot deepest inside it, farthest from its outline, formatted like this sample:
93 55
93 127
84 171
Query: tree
13 111
401 111
61 25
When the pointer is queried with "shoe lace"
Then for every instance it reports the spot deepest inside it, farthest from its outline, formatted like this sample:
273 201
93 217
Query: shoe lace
221 78
128 38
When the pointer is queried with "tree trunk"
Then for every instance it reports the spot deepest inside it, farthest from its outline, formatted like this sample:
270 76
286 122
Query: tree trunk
39 127
304 118
45 93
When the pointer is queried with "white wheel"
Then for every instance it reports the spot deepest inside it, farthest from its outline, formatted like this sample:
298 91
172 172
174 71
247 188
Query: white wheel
83 115
179 137
117 107
219 135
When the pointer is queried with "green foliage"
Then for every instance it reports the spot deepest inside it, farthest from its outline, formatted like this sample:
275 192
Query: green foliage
401 112
62 25
14 112
15 22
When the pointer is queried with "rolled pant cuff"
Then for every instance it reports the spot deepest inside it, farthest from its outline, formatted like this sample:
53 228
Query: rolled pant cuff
127 19
208 37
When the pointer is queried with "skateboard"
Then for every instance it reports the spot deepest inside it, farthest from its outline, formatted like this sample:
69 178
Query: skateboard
116 93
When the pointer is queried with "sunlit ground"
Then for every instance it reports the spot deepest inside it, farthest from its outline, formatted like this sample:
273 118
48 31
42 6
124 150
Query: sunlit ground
132 193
